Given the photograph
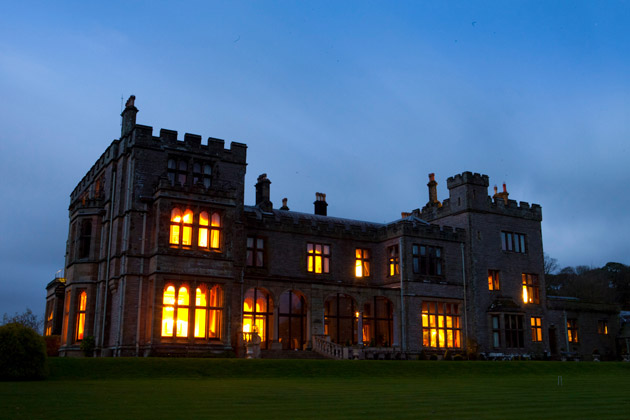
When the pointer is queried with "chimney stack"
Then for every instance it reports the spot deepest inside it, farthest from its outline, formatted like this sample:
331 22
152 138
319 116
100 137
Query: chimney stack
128 116
433 200
262 193
320 204
284 204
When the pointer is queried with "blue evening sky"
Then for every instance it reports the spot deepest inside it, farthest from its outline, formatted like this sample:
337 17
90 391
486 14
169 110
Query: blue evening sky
359 100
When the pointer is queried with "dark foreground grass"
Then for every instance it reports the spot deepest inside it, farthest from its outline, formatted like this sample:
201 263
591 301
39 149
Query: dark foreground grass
296 389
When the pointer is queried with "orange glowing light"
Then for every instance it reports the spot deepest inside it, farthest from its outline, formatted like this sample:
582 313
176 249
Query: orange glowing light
81 315
525 297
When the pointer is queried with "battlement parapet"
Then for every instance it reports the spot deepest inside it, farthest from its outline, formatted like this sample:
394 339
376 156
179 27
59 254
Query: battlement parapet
143 135
516 209
467 178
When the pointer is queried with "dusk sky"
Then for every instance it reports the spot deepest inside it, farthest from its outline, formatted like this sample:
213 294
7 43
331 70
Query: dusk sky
359 100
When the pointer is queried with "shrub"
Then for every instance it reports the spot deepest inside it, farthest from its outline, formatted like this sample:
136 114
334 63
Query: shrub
22 353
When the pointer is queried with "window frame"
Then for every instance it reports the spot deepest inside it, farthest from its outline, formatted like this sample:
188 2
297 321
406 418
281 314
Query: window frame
514 331
573 331
602 326
514 242
536 325
362 257
393 261
190 312
255 253
436 316
427 260
80 316
530 288
313 255
494 280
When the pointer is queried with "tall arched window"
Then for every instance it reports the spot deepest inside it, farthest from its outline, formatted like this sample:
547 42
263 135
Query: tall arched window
81 307
292 321
181 227
175 312
257 314
340 319
208 312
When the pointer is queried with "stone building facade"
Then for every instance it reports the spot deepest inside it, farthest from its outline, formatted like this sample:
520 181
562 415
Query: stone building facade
165 258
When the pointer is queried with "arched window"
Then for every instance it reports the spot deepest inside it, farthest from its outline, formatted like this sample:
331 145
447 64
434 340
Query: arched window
292 321
81 307
66 314
257 314
181 227
340 319
378 322
175 312
208 312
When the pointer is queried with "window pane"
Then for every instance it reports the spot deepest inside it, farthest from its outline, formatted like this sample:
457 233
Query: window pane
203 237
167 321
182 322
203 218
169 296
182 298
200 323
187 237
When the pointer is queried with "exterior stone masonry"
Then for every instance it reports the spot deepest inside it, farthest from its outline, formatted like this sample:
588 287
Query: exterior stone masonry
164 258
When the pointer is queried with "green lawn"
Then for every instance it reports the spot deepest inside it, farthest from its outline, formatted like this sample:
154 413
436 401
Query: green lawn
293 389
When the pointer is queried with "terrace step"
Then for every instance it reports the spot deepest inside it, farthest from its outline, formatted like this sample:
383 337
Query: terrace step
290 354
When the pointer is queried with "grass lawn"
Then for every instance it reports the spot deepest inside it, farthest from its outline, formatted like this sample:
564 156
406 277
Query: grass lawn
295 389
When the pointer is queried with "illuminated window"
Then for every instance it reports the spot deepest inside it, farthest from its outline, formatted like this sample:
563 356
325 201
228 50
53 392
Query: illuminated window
572 330
496 331
393 261
177 171
602 327
427 260
49 318
202 174
341 319
441 325
513 331
362 263
81 307
86 239
255 251
378 322
175 312
209 231
208 312
493 280
292 321
531 292
318 258
536 329
513 242
258 314
181 228
66 314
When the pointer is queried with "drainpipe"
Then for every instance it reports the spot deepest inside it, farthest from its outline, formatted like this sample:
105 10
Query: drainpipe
144 230
465 293
109 254
125 257
403 322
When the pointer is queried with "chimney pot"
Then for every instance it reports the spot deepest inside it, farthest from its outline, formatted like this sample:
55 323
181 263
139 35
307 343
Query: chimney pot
321 204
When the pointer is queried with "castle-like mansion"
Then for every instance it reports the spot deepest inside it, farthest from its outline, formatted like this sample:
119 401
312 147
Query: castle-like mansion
165 258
